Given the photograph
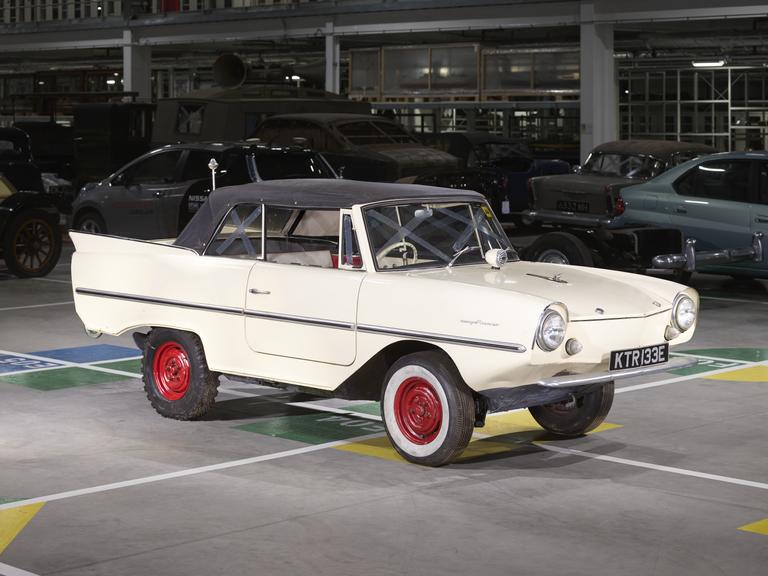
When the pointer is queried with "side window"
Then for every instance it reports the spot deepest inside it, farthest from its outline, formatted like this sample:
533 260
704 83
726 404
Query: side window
302 237
189 118
157 169
718 180
196 166
762 190
239 235
350 250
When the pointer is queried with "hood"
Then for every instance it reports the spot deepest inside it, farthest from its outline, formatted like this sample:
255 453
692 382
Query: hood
583 290
413 160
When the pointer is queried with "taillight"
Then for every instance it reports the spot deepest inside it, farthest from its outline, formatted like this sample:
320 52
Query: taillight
619 206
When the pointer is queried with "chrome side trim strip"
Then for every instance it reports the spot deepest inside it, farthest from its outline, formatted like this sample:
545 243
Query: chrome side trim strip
574 380
519 348
300 320
153 300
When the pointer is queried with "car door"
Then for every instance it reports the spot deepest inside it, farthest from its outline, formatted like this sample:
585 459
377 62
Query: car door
711 203
133 207
298 304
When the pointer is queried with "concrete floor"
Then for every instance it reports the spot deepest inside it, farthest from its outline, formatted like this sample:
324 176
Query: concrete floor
664 489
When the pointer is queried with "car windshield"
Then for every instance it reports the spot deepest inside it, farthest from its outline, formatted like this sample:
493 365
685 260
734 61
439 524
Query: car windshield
12 148
622 165
287 165
372 132
430 235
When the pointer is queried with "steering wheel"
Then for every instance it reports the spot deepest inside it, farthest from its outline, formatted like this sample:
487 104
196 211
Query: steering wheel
403 251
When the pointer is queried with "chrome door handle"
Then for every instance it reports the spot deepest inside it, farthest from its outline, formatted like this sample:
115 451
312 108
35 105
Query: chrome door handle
761 219
681 210
257 291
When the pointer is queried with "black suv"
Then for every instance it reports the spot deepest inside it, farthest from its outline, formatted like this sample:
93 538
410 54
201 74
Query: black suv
156 195
30 238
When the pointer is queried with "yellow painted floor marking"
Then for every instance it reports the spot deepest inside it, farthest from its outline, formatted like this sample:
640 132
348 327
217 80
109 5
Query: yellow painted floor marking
13 520
751 374
519 428
760 527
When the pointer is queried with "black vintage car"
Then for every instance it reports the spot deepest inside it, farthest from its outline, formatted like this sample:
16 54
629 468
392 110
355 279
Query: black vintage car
30 239
496 166
358 146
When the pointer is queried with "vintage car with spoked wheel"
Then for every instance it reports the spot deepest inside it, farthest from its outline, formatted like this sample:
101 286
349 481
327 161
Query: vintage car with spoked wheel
410 295
30 238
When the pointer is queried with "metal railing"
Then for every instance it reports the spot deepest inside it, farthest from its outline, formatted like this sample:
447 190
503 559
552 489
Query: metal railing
36 11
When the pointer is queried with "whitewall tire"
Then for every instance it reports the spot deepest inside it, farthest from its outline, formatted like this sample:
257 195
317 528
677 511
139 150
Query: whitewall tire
428 410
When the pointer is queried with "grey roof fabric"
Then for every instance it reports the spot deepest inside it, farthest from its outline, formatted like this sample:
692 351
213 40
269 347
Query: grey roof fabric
305 193
661 149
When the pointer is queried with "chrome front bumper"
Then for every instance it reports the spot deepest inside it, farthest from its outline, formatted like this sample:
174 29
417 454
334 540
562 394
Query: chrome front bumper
689 259
576 380
559 388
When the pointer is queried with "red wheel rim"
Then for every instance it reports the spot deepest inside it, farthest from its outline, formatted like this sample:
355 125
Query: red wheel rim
170 367
418 411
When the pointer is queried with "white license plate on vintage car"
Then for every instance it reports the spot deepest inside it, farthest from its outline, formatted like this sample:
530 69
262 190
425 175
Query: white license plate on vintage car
638 357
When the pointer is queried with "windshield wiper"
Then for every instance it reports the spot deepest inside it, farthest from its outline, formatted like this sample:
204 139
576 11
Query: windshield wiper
460 253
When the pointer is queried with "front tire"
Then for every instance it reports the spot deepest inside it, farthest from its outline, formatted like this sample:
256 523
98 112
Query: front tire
428 410
32 245
176 377
577 415
91 222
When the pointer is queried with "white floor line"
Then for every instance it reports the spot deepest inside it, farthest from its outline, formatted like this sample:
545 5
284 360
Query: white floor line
649 466
37 306
86 365
71 364
689 377
6 570
183 473
741 300
706 357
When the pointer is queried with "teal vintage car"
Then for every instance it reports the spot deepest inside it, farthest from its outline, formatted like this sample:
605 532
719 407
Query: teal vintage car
719 202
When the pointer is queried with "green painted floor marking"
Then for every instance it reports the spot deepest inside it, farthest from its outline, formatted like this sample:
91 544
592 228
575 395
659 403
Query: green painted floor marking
133 365
739 357
8 500
314 428
61 378
372 408
739 354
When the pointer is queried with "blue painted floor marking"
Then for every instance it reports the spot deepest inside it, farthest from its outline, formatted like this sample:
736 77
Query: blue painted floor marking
94 353
9 363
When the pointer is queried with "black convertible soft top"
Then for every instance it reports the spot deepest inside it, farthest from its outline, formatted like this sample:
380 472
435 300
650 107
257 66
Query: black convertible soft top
305 193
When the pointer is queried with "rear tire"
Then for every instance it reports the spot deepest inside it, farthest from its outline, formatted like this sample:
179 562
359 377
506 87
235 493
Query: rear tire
176 377
560 248
32 244
428 410
577 415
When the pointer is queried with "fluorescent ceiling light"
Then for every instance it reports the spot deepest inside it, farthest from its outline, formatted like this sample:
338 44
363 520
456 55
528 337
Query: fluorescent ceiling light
708 63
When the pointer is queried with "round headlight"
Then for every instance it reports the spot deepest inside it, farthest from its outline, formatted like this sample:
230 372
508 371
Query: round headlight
551 331
684 313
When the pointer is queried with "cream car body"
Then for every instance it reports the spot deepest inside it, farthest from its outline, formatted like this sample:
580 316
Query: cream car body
339 329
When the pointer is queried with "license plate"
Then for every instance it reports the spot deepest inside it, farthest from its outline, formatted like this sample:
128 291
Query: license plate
573 205
637 357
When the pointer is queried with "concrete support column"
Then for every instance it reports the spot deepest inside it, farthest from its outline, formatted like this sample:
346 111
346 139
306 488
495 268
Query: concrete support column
137 67
332 61
599 93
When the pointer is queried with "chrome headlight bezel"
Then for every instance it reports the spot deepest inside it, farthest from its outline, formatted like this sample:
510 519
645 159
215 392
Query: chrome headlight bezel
549 315
681 299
